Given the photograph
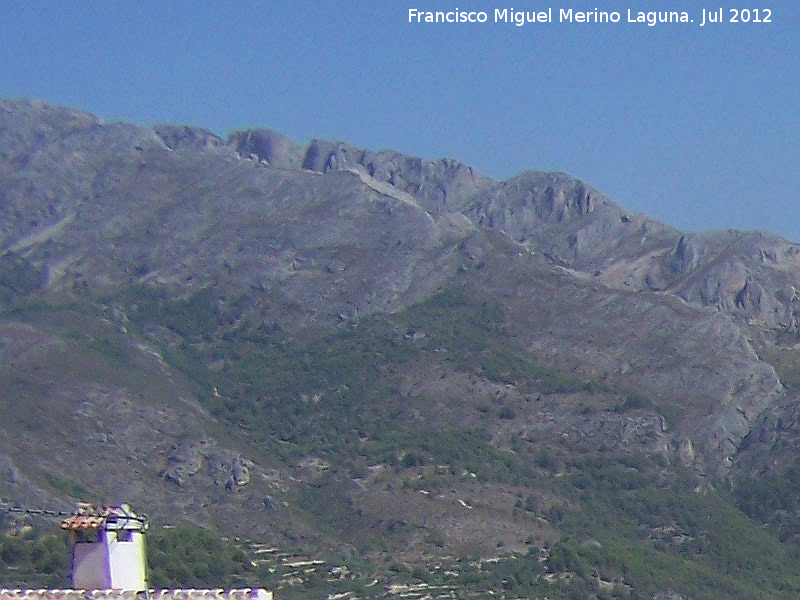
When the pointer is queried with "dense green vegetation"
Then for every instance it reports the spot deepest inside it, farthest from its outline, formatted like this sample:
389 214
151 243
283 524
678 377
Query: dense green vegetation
184 557
289 388
633 529
644 524
196 558
17 277
773 501
33 559
628 526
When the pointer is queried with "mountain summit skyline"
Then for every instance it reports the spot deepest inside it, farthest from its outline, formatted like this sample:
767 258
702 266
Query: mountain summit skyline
692 125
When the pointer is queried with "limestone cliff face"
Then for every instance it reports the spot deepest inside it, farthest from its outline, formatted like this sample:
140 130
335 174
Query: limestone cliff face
748 274
267 145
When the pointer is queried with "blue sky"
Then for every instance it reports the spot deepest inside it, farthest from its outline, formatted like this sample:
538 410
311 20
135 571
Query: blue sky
695 126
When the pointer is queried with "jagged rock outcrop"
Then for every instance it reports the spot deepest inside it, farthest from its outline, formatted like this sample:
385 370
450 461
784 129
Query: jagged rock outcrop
175 137
267 145
439 186
580 228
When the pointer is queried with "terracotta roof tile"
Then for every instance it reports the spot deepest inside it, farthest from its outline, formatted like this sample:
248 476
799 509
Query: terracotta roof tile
79 522
87 516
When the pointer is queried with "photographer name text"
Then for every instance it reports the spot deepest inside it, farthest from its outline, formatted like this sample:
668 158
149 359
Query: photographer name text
702 17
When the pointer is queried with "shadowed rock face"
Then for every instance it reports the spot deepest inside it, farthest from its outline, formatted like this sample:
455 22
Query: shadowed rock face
298 242
175 137
269 146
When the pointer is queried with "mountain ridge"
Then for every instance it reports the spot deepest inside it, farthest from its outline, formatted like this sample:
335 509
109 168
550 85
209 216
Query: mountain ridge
270 338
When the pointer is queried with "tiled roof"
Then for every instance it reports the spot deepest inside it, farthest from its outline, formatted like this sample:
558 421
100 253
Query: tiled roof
164 594
76 522
88 516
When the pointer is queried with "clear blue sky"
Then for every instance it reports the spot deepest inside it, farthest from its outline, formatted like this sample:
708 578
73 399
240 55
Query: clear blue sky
698 127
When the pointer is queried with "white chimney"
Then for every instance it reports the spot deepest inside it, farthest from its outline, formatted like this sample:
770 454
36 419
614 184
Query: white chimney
107 547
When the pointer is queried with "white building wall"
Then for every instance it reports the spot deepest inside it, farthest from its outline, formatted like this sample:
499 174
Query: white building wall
127 562
89 566
109 563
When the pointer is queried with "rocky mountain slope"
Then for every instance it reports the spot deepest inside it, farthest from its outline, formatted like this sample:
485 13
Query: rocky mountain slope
370 354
